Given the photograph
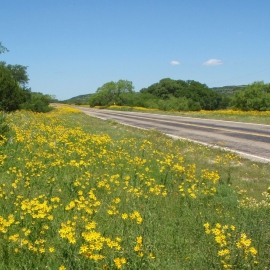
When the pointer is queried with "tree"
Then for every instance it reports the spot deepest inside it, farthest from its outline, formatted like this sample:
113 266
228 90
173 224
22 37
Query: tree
11 95
111 92
19 73
199 95
2 48
256 96
37 102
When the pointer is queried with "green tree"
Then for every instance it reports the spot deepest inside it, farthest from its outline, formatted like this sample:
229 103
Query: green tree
11 95
37 102
256 96
19 73
199 95
111 92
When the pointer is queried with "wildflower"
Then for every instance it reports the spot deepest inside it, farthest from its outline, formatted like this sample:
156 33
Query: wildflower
223 252
253 251
140 254
117 200
119 262
83 249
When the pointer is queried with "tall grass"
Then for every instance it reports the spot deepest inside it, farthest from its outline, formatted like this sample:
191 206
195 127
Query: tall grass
79 193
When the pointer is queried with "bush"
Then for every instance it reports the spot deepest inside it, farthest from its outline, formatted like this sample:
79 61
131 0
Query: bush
37 102
11 95
256 96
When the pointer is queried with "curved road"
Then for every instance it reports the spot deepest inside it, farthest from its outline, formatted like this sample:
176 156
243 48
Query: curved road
249 140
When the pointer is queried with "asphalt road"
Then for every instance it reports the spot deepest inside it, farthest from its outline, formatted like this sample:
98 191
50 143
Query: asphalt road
249 140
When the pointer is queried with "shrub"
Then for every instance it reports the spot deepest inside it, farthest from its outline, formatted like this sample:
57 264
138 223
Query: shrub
11 95
37 102
256 96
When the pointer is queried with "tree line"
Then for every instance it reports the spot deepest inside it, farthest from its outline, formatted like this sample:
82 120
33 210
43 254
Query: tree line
181 95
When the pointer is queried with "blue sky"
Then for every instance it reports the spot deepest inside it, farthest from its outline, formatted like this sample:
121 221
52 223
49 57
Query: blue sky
73 47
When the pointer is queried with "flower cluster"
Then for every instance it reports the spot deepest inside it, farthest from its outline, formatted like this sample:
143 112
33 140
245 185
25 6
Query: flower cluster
231 248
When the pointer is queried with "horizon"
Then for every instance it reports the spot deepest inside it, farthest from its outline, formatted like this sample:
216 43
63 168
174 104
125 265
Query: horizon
76 47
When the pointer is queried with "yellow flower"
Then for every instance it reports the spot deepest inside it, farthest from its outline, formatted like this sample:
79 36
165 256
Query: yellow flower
119 262
117 200
223 252
139 220
83 248
253 251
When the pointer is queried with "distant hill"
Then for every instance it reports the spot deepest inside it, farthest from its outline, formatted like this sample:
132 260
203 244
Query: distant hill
228 90
81 99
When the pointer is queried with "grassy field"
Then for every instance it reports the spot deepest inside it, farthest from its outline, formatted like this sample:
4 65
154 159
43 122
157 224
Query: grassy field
77 192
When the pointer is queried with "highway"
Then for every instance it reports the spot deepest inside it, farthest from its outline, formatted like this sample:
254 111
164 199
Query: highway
249 140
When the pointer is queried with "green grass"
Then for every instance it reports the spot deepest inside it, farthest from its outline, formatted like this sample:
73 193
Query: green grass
89 170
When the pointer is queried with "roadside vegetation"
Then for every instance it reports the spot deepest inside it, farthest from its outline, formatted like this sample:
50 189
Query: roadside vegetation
80 193
183 96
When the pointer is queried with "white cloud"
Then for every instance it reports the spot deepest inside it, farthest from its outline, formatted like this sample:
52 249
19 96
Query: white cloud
175 63
213 62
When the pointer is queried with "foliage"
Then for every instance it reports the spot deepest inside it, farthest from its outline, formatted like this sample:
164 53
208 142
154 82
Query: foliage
256 96
79 193
199 95
11 95
110 93
37 102
166 95
19 73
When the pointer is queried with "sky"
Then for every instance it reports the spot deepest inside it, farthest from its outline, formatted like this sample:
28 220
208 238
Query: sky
72 47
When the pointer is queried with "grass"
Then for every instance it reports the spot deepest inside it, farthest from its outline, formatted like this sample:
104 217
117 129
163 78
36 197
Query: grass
77 192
